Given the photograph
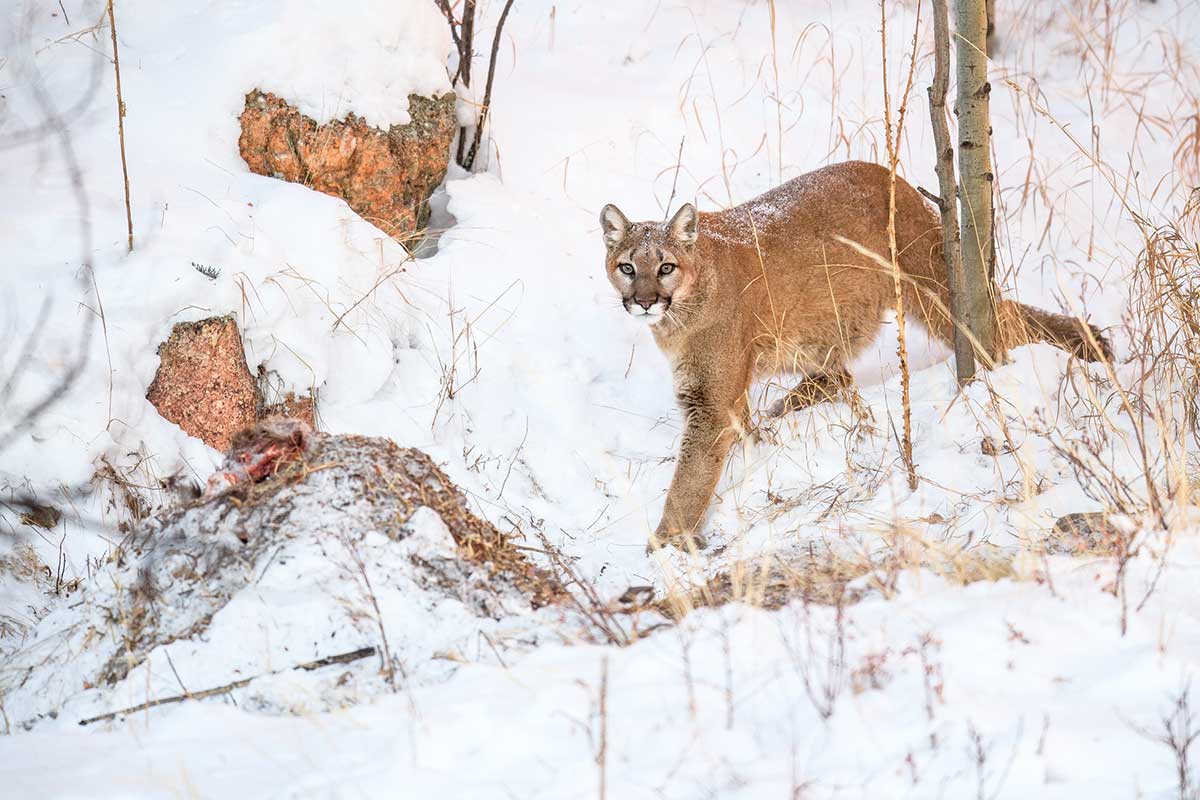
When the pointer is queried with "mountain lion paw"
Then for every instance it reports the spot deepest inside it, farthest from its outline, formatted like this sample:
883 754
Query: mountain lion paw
683 542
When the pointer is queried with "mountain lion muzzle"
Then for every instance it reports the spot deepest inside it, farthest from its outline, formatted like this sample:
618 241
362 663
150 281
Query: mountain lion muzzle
773 287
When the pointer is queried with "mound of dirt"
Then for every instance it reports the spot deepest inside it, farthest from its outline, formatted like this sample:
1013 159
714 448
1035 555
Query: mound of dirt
179 569
306 550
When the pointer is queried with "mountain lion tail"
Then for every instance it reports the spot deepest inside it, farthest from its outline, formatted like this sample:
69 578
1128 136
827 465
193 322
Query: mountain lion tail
1022 324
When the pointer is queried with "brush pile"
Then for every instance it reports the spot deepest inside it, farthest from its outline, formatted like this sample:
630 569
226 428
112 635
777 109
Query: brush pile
295 511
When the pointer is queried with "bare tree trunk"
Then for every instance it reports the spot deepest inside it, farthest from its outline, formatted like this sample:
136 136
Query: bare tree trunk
964 354
487 92
466 52
975 171
463 33
991 27
468 41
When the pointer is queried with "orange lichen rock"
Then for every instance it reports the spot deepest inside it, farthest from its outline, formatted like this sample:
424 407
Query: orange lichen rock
386 176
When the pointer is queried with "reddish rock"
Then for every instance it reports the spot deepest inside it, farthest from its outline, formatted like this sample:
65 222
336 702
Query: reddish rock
302 408
203 384
385 176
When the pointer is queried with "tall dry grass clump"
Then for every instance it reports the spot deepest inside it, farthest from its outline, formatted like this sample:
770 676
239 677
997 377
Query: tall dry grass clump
1165 306
1150 407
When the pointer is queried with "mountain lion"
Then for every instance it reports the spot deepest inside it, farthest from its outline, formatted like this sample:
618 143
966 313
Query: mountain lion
772 286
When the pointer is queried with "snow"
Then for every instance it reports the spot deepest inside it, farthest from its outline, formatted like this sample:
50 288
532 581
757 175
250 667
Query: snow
507 358
1055 718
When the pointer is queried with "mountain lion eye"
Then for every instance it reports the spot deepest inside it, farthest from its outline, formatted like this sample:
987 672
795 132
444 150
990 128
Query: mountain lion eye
666 269
626 269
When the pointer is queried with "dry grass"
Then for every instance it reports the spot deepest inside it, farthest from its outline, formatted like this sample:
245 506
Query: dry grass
23 565
894 135
838 577
1166 315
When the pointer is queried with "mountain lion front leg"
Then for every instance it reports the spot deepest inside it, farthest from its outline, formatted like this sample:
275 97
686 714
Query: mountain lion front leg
711 428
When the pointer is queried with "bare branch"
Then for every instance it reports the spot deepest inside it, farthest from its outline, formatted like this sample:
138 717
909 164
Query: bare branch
487 92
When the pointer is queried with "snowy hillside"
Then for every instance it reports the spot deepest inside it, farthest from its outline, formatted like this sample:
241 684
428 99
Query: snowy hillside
955 646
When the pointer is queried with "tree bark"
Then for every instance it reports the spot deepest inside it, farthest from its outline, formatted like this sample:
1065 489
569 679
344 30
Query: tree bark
991 26
975 171
964 354
487 92
467 34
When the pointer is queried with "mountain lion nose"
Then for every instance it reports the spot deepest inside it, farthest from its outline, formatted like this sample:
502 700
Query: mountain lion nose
645 303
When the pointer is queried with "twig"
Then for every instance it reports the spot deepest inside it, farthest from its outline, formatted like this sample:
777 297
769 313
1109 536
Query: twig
463 35
495 652
444 7
107 349
112 24
487 92
504 482
594 611
341 658
893 147
468 42
175 672
389 666
602 755
675 180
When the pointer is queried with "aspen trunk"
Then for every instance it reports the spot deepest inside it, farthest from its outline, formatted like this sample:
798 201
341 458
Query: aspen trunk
975 170
964 354
991 26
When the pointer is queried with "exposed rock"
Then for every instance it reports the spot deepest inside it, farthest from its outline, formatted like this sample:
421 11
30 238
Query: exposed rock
303 408
203 384
385 176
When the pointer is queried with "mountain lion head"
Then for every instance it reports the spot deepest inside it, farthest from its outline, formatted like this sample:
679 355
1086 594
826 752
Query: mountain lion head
650 264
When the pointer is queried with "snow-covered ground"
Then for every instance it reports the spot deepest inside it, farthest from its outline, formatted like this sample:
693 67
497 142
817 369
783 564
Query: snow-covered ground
505 356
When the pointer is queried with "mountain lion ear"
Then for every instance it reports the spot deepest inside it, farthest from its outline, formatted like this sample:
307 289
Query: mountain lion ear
683 225
613 224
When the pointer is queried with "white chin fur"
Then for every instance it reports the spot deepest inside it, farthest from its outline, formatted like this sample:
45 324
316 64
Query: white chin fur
649 317
656 313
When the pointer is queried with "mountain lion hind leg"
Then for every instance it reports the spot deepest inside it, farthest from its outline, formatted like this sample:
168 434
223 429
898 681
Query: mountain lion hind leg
821 388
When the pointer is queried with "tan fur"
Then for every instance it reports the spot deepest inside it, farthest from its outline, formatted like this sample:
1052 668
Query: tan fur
774 286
